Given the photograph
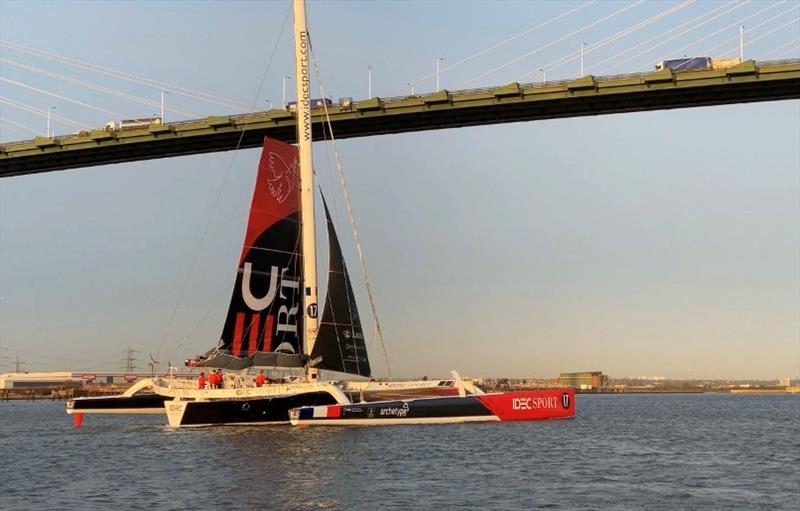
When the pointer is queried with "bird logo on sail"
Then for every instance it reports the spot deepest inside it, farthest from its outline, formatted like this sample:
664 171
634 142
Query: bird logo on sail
283 178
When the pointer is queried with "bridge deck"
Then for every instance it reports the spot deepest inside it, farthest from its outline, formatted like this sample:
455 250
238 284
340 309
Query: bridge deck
747 82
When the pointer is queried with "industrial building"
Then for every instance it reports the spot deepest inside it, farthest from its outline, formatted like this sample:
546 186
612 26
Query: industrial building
586 380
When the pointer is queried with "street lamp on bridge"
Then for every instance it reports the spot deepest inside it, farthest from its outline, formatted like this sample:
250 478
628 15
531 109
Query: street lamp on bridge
284 88
50 134
439 60
583 45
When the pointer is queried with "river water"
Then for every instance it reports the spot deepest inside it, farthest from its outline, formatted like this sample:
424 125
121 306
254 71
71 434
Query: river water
677 451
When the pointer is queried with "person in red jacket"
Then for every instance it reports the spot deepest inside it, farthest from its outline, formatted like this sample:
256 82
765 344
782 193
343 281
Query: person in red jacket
201 381
261 379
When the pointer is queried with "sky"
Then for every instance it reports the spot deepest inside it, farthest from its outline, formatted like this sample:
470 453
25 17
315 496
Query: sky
658 243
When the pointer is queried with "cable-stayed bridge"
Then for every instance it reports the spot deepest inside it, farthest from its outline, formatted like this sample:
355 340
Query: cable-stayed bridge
747 82
616 37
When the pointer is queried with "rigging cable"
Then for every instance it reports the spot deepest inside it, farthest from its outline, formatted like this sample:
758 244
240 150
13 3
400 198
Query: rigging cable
222 188
352 219
335 215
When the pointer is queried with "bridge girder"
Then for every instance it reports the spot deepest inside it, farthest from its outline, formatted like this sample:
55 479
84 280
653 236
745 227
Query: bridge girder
747 82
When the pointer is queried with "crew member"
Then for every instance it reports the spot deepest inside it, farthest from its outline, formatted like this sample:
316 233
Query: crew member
201 381
261 379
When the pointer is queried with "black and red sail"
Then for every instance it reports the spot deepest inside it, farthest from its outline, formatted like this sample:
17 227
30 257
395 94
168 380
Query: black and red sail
264 325
264 321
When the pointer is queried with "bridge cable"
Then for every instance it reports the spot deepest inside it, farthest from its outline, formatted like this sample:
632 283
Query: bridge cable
726 9
175 89
780 49
501 43
610 39
96 87
749 30
214 209
712 34
762 36
548 45
52 94
18 125
789 50
5 128
42 113
667 32
7 124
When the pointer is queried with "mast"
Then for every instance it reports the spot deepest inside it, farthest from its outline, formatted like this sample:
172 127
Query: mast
308 229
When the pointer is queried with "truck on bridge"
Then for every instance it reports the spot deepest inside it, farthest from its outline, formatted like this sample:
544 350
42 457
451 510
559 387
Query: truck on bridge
697 64
130 124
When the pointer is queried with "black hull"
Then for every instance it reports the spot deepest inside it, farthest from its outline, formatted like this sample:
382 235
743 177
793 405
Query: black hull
525 405
249 411
144 403
390 411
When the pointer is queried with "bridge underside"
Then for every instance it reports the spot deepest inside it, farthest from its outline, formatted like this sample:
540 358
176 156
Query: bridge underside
442 110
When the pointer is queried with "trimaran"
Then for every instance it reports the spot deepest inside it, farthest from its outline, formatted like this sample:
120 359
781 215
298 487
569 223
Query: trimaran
272 323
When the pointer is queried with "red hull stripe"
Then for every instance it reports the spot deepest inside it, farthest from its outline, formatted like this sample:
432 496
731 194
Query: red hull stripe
252 344
530 404
237 334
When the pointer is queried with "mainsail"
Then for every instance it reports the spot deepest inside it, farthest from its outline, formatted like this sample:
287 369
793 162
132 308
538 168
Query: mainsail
340 341
263 325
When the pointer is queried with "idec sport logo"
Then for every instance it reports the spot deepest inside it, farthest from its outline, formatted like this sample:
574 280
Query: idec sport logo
284 176
534 403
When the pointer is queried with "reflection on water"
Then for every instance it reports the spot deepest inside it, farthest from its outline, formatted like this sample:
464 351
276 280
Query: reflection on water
620 452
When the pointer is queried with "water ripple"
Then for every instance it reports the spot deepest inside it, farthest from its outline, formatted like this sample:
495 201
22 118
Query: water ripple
620 452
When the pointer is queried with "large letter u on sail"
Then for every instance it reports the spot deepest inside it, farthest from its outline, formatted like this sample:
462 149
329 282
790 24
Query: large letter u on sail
258 304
